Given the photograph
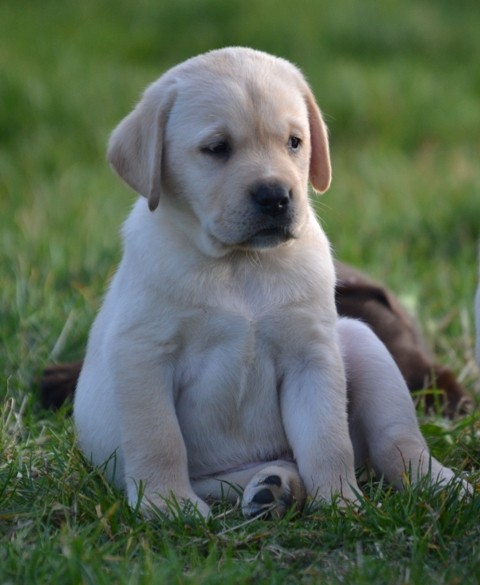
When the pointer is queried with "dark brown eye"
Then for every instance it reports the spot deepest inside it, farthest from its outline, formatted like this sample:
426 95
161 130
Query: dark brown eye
220 149
294 143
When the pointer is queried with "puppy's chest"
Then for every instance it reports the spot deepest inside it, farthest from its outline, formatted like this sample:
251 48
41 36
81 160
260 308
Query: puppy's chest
228 376
228 353
235 348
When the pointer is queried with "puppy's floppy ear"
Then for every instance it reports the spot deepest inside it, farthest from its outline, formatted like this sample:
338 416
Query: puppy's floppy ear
136 144
320 169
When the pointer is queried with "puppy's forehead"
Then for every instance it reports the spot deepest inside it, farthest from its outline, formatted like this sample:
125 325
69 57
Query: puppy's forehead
261 90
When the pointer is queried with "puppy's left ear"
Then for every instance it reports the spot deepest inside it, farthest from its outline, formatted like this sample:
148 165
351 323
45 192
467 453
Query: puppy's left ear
320 168
136 145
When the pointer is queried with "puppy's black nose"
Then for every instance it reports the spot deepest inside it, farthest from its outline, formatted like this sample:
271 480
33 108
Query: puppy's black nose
271 198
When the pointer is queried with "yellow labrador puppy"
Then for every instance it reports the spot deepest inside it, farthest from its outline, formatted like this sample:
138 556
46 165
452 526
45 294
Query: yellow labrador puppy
217 358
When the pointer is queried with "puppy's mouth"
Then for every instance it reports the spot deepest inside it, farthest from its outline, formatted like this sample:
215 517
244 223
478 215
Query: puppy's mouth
268 238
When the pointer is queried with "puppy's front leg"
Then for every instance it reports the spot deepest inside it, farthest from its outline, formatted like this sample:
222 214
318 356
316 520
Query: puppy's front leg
153 448
314 411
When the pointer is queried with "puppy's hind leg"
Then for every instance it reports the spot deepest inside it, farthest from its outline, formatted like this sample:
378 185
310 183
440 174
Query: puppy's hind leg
382 419
269 489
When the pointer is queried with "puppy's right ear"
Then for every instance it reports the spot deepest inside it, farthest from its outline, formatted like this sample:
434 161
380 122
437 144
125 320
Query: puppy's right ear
136 144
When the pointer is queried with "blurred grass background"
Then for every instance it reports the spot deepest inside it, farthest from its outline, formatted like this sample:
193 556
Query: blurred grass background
399 84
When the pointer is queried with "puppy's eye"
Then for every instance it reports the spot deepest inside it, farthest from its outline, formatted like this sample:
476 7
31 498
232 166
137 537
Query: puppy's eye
294 143
220 149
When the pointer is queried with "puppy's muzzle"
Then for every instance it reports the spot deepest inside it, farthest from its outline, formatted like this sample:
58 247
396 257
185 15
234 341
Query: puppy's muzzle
274 218
272 199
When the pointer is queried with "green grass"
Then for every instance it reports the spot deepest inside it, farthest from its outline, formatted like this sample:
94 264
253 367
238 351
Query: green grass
399 83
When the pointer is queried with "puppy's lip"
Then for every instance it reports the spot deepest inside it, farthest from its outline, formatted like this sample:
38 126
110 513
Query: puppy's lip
268 238
274 231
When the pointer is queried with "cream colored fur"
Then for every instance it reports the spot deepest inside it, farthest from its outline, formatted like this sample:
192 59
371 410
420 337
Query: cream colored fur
217 358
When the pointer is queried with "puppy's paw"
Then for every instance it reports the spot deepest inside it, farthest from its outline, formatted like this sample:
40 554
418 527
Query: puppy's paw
446 476
272 491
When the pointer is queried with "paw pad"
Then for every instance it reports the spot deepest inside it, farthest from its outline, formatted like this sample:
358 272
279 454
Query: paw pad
266 496
273 480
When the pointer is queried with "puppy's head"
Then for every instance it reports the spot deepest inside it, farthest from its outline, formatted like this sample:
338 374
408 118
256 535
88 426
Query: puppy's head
231 138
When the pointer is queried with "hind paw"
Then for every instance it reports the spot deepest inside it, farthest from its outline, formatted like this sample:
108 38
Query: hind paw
272 491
